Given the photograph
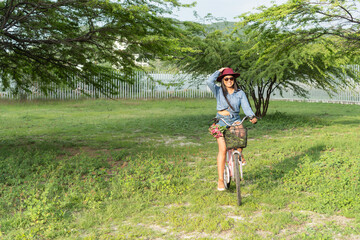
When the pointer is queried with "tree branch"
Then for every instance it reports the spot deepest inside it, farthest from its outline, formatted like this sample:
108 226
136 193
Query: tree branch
7 14
339 16
83 38
348 12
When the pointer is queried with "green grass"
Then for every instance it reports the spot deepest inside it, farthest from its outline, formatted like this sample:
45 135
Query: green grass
135 169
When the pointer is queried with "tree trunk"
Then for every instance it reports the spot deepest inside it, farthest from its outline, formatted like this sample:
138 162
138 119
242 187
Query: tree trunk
261 102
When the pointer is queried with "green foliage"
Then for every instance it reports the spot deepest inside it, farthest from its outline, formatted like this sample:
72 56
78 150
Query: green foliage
304 20
63 42
280 48
317 27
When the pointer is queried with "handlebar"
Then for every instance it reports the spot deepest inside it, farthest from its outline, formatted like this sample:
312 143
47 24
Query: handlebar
236 124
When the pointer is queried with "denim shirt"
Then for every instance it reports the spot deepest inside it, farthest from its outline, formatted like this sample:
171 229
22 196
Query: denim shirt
236 99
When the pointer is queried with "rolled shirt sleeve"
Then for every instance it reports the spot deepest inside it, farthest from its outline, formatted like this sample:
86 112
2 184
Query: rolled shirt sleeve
245 105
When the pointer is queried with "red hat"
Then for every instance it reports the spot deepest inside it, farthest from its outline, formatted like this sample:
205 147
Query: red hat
227 71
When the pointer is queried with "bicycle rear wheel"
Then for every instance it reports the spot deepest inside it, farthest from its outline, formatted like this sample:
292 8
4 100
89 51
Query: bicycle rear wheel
236 163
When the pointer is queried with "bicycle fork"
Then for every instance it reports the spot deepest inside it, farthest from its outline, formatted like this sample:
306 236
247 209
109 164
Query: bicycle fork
231 154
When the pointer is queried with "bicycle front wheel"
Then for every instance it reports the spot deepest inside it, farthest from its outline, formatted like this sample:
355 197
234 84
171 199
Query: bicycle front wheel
227 171
236 163
227 178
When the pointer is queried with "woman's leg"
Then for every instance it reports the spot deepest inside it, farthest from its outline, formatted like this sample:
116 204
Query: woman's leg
221 161
242 156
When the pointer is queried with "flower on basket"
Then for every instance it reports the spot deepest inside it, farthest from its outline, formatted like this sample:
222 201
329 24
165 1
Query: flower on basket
216 130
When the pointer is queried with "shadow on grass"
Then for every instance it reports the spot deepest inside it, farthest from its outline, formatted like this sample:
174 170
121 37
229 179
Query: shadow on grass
34 144
125 133
282 121
347 122
268 177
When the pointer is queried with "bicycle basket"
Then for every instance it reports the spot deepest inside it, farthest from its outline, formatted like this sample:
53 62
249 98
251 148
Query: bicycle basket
235 137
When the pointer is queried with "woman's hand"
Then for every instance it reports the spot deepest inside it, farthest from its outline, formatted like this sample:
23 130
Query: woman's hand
222 69
254 120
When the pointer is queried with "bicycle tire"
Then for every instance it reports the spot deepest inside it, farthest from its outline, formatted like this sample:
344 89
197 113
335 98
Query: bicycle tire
227 172
237 177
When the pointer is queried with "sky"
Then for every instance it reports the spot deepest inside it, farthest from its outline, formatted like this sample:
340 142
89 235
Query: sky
227 9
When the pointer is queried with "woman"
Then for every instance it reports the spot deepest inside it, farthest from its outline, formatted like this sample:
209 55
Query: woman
229 98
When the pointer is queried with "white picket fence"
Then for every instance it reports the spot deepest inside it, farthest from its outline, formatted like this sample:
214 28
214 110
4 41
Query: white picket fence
145 86
344 96
167 85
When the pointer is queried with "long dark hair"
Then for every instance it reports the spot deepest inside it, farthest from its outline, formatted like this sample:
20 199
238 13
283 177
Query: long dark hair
225 92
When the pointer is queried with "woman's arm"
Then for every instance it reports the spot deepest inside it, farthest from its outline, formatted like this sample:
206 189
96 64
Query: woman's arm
211 81
245 105
247 109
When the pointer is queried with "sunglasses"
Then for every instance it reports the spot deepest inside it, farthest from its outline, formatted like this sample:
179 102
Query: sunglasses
229 79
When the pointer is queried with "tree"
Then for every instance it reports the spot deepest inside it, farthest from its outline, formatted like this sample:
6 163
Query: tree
267 62
267 66
321 40
303 21
46 41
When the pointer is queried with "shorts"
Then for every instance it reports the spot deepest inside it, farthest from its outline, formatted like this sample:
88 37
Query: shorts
228 119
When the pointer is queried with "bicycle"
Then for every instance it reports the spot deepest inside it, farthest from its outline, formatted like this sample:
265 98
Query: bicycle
234 138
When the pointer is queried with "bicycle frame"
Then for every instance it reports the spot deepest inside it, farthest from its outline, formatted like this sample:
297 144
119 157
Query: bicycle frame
230 165
234 169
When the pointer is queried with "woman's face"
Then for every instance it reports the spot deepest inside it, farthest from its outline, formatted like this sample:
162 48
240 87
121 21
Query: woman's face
228 81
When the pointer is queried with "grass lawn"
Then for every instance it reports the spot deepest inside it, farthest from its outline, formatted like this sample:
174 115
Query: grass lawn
130 169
